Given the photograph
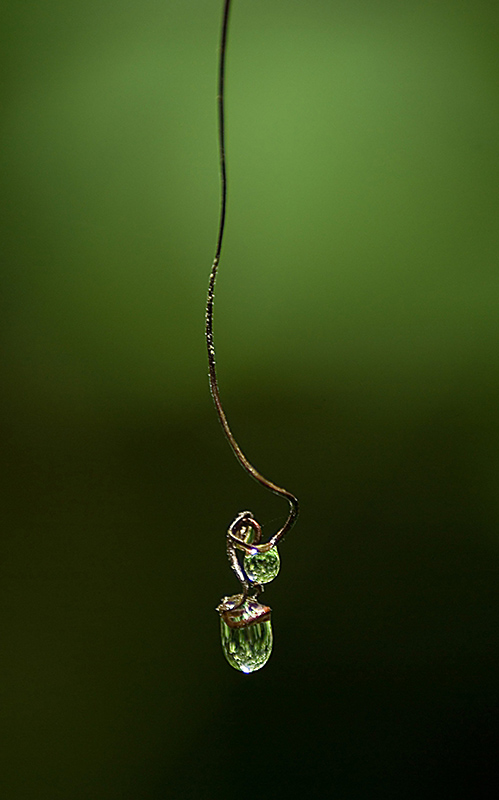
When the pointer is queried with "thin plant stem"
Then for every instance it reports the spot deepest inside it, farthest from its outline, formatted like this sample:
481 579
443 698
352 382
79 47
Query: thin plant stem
250 469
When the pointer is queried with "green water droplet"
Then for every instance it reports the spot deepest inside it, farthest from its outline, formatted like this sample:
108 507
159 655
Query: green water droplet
262 567
247 642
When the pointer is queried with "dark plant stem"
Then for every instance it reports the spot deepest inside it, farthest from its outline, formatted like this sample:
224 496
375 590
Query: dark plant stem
250 469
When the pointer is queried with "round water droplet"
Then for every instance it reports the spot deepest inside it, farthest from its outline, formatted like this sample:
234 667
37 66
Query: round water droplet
262 567
247 642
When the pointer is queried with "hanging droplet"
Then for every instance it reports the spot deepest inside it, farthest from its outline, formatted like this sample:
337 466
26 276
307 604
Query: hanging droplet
246 634
262 567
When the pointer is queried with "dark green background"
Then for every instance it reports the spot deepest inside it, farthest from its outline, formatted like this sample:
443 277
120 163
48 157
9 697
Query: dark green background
357 325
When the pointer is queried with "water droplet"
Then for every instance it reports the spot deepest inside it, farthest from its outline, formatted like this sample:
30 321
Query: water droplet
247 636
262 567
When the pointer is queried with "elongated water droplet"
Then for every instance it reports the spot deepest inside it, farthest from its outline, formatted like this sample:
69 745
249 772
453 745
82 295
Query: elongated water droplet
247 636
262 567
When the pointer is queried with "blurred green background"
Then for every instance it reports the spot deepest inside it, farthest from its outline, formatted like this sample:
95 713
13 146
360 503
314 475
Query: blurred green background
357 327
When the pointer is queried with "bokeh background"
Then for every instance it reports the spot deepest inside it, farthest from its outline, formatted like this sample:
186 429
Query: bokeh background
357 326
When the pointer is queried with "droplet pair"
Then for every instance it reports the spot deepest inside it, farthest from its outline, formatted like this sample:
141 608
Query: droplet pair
245 624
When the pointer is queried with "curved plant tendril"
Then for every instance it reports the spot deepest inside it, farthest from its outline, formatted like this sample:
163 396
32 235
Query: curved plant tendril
237 537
